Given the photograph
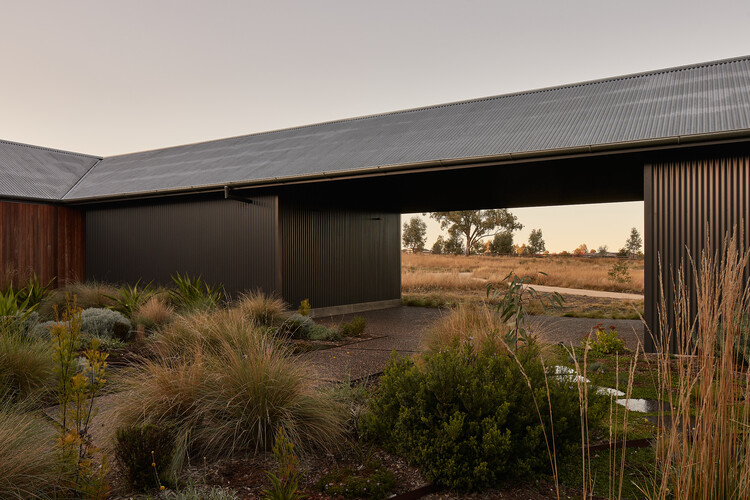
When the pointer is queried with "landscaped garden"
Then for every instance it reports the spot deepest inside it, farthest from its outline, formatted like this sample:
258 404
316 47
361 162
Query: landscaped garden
138 391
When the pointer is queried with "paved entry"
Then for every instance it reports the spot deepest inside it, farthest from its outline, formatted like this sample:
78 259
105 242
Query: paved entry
401 329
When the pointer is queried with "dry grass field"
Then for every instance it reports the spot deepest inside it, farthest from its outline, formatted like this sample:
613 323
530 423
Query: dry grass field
442 280
457 272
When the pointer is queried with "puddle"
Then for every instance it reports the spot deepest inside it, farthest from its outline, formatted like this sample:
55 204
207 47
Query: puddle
568 375
644 405
608 391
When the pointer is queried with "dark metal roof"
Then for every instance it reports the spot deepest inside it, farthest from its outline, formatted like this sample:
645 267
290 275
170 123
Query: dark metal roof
33 172
671 105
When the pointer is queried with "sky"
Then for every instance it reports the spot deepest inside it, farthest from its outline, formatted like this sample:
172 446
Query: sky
106 78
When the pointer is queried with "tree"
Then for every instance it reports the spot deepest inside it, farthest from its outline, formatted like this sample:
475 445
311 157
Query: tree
536 242
414 234
502 243
454 245
439 246
634 243
602 250
474 225
581 250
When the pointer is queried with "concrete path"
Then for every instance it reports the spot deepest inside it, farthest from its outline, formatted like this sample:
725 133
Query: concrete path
587 293
401 329
398 329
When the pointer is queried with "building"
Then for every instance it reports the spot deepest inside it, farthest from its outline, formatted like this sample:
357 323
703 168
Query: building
313 212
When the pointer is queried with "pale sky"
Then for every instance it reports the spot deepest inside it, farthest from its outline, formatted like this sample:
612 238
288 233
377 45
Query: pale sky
106 78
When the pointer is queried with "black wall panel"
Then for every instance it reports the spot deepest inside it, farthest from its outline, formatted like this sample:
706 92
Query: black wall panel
224 241
688 202
336 256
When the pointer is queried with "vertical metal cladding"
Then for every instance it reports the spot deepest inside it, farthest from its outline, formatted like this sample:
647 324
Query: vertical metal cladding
226 242
690 204
337 257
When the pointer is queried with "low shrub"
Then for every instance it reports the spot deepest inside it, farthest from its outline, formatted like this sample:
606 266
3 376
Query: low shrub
30 466
105 323
603 341
140 451
261 308
194 294
129 298
89 294
467 417
153 313
353 328
303 327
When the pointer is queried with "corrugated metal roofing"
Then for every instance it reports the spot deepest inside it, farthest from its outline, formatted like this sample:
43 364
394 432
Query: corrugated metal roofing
704 98
33 172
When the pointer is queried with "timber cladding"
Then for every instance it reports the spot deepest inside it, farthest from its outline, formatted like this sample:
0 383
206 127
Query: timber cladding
44 239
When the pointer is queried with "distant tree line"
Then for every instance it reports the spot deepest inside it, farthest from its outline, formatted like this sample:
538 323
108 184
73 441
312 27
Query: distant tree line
469 232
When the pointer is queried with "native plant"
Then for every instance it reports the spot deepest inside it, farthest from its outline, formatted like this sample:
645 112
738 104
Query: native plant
192 293
130 297
619 272
285 481
705 453
513 303
76 392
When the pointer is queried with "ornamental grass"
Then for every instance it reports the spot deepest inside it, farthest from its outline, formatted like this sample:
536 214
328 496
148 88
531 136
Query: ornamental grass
224 385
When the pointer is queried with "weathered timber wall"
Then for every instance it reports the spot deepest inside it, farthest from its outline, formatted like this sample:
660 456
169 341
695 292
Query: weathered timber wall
43 239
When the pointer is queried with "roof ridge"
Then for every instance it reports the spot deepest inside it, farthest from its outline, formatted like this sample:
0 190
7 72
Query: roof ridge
584 83
53 150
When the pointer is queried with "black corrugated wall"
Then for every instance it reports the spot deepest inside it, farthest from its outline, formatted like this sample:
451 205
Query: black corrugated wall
685 200
227 242
335 256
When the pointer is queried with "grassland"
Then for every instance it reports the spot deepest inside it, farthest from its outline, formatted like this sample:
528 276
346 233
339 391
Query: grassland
442 280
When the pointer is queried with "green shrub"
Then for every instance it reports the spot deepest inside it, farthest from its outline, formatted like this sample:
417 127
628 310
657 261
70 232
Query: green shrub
467 417
353 328
285 481
304 307
602 341
128 297
140 451
303 327
193 293
105 323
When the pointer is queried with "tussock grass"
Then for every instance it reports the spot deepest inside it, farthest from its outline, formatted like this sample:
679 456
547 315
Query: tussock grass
568 272
89 294
153 313
261 308
225 386
473 323
27 453
25 366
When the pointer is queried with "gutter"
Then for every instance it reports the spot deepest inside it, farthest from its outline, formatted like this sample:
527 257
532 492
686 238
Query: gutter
431 165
